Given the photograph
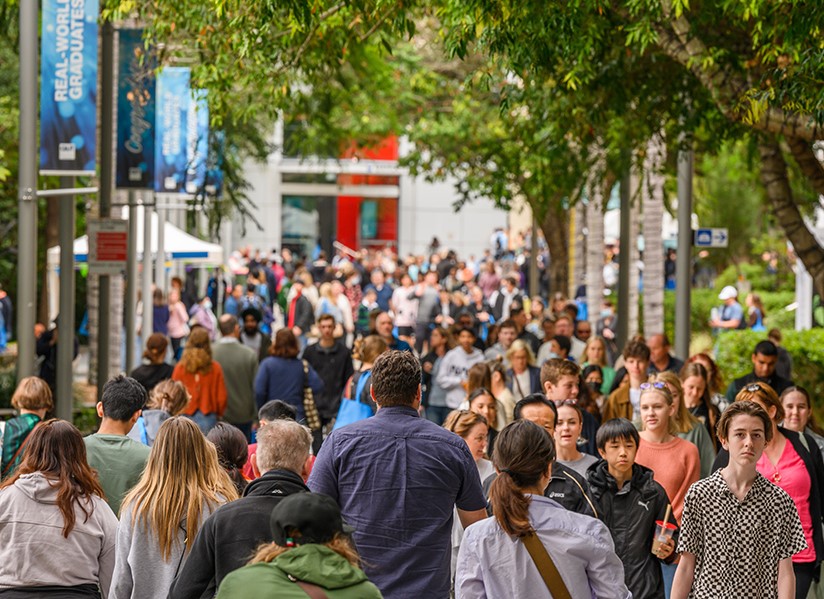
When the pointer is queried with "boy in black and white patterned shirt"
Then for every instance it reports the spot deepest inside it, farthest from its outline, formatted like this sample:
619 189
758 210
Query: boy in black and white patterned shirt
738 530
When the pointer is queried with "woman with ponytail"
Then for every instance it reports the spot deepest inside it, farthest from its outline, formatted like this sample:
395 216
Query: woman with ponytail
499 556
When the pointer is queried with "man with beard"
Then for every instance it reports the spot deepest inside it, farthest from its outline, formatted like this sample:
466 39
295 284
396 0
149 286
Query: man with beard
251 335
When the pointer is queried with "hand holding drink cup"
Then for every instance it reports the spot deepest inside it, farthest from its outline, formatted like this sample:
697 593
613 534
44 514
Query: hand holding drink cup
662 543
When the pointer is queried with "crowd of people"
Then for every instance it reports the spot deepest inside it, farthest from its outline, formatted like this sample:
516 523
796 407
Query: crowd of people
371 427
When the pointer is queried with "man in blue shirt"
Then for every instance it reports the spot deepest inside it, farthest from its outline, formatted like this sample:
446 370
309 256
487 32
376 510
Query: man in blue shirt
397 478
382 289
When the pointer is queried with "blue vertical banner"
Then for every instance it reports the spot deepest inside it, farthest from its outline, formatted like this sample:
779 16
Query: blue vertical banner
68 86
214 170
171 137
135 112
197 142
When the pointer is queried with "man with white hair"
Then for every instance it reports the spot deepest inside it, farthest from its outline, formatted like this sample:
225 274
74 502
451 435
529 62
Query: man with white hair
233 532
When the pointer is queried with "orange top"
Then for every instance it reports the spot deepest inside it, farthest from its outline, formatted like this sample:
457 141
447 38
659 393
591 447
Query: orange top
208 389
675 466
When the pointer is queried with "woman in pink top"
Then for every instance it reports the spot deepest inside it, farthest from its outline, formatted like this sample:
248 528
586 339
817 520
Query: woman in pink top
178 321
674 462
794 463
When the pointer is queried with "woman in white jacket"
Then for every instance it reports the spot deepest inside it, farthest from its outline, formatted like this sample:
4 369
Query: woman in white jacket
57 531
182 484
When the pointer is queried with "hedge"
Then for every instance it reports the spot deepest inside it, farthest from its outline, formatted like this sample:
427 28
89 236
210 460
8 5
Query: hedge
805 347
704 300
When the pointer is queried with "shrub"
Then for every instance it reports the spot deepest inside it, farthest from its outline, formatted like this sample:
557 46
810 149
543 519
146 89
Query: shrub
805 347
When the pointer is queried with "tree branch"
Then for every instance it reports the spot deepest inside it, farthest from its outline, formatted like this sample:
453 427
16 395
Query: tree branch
807 161
777 185
727 87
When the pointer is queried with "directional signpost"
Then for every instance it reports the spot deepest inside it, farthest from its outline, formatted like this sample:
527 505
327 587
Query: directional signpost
710 238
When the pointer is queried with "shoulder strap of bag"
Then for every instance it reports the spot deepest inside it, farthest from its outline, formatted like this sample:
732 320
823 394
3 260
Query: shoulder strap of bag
17 453
312 590
364 377
546 567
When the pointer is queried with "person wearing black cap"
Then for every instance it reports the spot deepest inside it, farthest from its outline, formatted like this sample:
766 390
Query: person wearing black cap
311 556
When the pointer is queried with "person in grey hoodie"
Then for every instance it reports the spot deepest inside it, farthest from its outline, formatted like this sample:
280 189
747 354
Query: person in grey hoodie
455 364
58 534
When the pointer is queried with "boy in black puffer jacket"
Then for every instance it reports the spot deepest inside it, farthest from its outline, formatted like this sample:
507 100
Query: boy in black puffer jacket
630 502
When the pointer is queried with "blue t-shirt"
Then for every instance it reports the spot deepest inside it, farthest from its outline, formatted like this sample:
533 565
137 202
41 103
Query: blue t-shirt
733 312
384 295
397 478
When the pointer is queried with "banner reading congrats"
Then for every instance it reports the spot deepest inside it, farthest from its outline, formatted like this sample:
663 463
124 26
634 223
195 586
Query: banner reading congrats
68 85
198 142
135 112
171 152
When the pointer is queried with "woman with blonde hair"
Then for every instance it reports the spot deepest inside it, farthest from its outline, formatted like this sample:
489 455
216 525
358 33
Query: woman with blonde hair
167 399
203 379
33 400
473 428
159 519
524 377
687 426
366 352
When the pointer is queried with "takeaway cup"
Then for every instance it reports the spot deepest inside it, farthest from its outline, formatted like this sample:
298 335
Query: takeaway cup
663 533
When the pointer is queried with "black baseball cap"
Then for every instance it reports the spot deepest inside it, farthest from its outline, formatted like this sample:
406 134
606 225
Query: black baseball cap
306 518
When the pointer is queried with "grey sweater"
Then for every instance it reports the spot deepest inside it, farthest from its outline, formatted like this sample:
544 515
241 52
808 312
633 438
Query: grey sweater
33 551
140 572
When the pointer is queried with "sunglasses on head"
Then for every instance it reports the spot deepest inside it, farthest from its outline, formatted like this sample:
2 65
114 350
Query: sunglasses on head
656 385
565 402
753 388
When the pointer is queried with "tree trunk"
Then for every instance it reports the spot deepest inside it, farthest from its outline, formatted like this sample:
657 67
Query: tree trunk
634 226
653 198
777 184
595 249
580 258
807 161
555 225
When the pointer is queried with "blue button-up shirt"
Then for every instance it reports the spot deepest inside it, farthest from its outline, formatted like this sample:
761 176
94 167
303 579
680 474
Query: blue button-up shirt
397 478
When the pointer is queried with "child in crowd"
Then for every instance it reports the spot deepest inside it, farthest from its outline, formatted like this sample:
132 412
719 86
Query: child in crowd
368 304
32 399
630 502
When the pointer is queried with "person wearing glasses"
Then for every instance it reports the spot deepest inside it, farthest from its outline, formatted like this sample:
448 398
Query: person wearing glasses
675 463
793 462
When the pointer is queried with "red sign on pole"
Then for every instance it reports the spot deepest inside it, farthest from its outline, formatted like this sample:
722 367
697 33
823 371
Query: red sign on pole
108 245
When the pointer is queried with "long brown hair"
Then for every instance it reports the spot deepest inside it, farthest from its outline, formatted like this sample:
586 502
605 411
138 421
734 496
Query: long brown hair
55 448
523 453
197 353
181 478
697 369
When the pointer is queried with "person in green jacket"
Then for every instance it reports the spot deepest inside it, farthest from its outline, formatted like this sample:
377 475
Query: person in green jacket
311 556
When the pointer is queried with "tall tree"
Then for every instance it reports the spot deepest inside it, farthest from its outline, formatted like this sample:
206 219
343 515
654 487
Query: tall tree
652 195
